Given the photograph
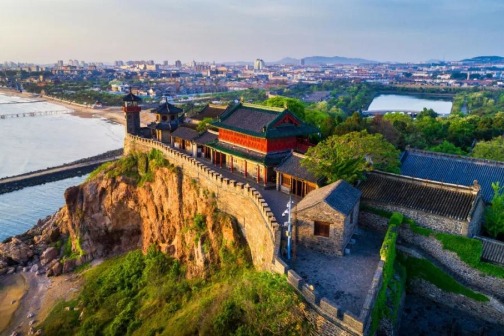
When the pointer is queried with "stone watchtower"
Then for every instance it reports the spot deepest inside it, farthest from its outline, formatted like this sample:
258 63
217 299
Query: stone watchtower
132 113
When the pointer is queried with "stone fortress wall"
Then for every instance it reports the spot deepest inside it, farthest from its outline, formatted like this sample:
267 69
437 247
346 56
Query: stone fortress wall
263 234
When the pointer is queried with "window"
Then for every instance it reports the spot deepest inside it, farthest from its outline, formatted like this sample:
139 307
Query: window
321 229
286 180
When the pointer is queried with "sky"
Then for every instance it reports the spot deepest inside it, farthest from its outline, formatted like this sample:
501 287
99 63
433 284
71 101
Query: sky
44 31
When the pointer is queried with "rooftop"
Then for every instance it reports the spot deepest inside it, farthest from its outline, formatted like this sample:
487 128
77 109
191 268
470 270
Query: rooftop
340 196
447 200
210 111
292 166
167 108
265 159
263 121
185 133
453 169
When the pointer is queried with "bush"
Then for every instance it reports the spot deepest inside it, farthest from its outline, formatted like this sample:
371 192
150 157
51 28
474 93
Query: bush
424 269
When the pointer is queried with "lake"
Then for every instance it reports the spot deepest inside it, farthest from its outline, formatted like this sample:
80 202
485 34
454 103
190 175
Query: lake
32 143
398 103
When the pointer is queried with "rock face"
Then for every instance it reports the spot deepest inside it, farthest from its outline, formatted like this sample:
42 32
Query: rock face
108 216
111 215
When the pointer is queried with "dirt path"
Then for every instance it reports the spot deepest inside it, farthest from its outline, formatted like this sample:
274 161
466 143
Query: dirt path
41 296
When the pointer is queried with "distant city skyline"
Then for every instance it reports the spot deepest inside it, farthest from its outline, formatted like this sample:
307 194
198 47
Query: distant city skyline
45 31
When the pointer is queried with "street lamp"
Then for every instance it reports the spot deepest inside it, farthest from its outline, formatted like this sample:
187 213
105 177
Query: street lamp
288 212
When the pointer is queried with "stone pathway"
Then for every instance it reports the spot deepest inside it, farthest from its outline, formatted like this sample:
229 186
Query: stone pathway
344 280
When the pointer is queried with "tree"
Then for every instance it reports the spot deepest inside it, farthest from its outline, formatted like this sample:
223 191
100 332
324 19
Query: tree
203 125
448 148
494 214
293 105
347 157
490 150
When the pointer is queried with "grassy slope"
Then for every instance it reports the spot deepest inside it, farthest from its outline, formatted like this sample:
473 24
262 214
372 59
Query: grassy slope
149 295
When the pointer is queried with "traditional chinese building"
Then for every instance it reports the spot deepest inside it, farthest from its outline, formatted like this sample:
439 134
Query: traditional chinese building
168 118
293 178
253 139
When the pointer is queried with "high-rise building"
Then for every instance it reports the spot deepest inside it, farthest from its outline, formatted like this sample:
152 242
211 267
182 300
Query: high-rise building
119 63
178 64
60 63
259 64
165 63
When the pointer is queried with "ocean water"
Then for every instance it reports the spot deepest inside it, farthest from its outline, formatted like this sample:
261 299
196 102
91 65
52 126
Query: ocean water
37 142
32 143
391 102
21 209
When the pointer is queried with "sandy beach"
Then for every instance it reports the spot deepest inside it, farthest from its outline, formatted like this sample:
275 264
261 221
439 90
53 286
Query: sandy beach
34 297
114 114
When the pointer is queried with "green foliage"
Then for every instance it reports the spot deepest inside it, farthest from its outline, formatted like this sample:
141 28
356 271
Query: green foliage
149 294
204 124
349 156
388 255
494 214
490 150
448 148
293 105
426 232
424 269
138 167
469 250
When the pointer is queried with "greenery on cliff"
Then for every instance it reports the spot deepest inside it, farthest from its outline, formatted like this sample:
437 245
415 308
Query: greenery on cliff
149 294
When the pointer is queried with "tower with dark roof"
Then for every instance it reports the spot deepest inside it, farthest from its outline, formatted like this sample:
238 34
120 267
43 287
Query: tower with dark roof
132 110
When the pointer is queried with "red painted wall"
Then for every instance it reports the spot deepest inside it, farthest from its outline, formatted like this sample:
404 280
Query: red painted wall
258 144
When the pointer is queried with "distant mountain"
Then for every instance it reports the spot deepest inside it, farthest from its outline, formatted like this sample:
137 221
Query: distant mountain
485 59
320 60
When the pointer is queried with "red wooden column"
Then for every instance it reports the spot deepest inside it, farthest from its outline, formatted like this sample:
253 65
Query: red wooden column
245 168
231 158
220 159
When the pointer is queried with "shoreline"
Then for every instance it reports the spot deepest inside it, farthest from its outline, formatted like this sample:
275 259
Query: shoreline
113 114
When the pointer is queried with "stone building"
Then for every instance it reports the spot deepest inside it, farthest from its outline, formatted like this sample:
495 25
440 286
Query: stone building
326 218
131 109
444 207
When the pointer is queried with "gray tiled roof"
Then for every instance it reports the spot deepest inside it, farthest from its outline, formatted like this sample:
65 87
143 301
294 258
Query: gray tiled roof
340 196
453 169
167 108
250 119
210 111
447 200
185 133
292 166
206 138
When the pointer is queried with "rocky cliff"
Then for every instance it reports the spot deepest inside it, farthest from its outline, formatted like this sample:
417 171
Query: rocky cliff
113 214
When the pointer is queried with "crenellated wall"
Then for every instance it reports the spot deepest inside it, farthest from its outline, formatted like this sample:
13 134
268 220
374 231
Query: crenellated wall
263 235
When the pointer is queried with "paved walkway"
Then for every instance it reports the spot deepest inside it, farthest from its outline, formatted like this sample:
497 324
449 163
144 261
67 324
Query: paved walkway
344 280
276 200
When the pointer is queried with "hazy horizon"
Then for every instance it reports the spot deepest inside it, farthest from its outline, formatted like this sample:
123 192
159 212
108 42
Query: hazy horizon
45 31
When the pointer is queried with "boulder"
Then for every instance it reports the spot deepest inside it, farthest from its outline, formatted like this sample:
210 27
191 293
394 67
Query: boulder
68 266
55 269
34 268
16 250
48 255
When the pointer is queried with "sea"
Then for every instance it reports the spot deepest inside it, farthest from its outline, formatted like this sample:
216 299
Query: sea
36 135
